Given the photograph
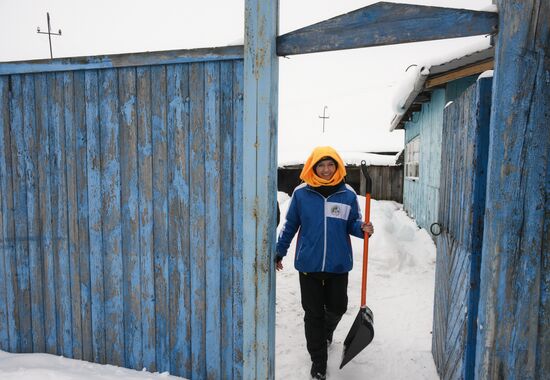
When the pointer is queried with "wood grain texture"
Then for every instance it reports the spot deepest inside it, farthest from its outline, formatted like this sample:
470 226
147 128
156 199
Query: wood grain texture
385 24
514 317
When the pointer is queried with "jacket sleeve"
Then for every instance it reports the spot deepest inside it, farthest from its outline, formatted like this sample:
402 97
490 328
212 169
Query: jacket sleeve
292 223
355 220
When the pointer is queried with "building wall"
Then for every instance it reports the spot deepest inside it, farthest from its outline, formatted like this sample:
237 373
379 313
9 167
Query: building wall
421 196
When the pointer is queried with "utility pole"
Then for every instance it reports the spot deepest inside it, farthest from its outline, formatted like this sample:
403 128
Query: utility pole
324 118
49 33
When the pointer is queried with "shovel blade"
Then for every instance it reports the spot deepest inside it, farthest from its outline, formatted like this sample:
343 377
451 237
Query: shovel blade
359 336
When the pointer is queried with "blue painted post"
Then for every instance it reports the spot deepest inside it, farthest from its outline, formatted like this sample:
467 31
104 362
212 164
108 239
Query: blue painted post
259 187
514 312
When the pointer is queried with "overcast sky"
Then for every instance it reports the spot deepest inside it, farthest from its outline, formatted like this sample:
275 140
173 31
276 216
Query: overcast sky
356 86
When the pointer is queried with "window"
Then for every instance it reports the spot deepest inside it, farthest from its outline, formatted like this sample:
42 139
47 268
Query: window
412 155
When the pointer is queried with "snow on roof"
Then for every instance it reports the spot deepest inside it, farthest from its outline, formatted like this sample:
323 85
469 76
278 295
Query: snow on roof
414 78
287 158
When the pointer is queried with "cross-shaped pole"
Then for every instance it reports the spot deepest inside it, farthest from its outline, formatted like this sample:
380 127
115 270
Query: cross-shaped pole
49 33
324 118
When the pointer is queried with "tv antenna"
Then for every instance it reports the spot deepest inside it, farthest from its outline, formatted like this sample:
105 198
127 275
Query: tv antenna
49 33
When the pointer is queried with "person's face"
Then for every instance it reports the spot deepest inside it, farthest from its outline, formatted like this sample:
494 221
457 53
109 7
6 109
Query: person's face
325 169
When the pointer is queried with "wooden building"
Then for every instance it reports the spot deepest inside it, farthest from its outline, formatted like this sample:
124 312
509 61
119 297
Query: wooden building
421 117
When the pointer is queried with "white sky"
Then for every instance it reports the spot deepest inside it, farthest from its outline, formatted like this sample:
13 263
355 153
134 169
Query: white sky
357 86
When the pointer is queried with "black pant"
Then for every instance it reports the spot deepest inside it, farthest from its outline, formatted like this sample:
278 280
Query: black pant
325 300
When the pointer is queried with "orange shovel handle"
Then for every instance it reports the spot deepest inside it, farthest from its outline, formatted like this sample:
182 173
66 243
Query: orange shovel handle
365 254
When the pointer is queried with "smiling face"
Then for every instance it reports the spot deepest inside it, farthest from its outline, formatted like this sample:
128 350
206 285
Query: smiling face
325 169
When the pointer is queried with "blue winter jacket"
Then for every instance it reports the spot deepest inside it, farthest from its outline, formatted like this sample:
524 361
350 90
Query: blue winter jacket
323 226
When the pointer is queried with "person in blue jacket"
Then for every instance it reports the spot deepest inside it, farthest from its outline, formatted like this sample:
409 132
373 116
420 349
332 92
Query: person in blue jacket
324 211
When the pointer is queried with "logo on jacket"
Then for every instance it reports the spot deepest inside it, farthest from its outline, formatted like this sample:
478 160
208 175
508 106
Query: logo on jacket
335 211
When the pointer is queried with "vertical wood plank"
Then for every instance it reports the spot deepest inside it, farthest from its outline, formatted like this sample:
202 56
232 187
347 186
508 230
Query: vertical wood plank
33 213
213 203
42 101
4 247
160 207
111 216
95 224
59 211
145 169
515 291
259 187
19 153
238 221
178 225
130 218
197 215
8 227
82 212
70 168
226 217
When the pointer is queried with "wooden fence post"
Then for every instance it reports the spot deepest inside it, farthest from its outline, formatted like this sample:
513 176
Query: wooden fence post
259 187
514 315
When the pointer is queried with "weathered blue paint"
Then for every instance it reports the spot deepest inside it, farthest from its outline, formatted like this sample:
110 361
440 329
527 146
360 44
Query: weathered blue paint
421 195
213 198
461 209
238 229
95 230
8 229
385 24
138 249
123 60
514 314
259 188
145 168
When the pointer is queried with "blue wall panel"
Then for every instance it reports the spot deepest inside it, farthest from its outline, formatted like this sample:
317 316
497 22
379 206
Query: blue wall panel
121 215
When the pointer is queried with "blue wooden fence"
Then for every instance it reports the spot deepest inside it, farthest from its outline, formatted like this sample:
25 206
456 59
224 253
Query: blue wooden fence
121 210
461 210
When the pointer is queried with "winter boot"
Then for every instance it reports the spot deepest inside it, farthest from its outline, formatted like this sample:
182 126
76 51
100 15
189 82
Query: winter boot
319 371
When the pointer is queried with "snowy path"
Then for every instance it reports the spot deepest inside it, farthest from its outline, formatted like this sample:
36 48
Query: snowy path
400 294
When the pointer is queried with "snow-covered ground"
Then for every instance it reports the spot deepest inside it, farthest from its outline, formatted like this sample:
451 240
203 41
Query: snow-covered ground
400 293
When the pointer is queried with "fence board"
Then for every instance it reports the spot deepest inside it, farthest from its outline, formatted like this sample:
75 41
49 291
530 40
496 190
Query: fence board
145 175
21 238
70 168
129 199
33 212
197 216
8 226
226 222
178 204
4 247
212 166
81 189
160 214
95 224
111 216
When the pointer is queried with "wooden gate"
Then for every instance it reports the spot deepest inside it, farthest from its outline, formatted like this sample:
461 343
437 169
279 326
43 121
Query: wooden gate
461 212
120 188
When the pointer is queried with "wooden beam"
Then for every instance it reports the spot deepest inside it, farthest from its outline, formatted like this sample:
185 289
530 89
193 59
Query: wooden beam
122 60
259 179
386 24
514 308
460 73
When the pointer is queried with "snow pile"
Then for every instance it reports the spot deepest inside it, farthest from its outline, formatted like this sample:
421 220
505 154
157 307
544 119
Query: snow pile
400 293
45 366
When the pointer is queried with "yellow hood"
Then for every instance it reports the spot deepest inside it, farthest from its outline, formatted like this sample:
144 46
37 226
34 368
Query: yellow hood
308 174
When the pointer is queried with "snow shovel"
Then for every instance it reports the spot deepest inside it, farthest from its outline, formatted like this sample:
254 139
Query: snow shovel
362 330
